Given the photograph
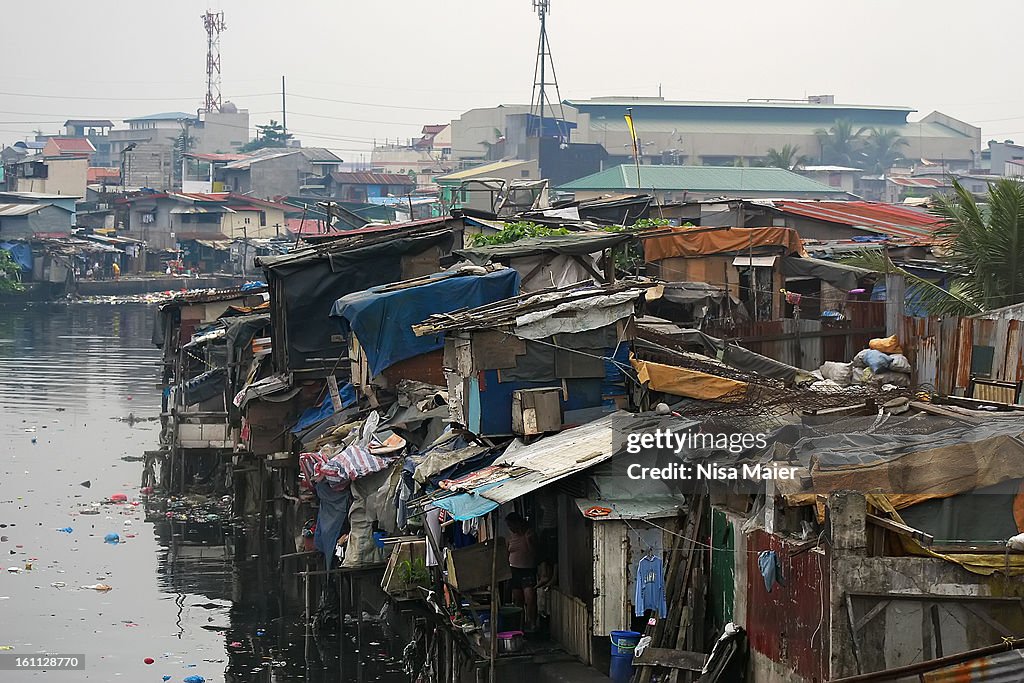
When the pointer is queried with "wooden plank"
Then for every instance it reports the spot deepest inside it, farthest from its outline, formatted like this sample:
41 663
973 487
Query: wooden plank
672 659
853 632
872 613
901 529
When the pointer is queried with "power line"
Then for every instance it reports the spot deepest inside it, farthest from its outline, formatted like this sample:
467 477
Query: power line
120 99
368 104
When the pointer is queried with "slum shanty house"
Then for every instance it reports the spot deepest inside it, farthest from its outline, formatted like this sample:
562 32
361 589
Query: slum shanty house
378 323
894 545
554 260
777 300
503 383
562 347
207 338
309 368
823 220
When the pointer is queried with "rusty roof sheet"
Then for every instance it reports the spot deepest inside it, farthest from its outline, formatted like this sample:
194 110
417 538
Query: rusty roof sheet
889 219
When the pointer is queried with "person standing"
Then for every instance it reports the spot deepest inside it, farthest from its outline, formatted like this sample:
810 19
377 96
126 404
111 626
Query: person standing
117 270
522 559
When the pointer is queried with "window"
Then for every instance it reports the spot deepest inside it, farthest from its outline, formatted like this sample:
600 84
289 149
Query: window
981 360
247 220
524 174
263 218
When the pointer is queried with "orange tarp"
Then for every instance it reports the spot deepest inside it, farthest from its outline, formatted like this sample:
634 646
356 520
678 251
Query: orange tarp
704 242
685 382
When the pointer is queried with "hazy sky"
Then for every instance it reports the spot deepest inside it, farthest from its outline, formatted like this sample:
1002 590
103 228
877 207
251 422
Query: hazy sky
359 71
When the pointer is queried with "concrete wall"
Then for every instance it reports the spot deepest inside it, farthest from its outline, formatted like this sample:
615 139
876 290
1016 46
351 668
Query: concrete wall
156 234
270 178
63 176
67 176
904 631
234 226
220 132
150 164
477 125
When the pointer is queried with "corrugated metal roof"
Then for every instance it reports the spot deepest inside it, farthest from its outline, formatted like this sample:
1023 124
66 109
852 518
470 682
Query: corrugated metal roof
10 210
90 123
915 182
554 457
726 180
481 171
650 508
73 145
1003 667
890 219
165 116
357 178
704 104
533 466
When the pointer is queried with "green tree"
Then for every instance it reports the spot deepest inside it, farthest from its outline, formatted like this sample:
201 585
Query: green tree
10 273
882 149
841 144
788 157
269 135
983 243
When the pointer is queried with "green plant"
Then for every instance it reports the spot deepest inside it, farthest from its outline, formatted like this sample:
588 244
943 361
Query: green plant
513 232
413 572
10 274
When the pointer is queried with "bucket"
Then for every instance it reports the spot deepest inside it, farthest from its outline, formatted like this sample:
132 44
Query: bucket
624 642
621 668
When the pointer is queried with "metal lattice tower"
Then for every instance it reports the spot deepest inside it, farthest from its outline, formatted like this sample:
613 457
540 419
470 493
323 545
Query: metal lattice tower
540 97
214 23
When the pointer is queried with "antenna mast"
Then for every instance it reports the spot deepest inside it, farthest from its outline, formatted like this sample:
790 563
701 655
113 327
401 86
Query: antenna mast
540 97
214 23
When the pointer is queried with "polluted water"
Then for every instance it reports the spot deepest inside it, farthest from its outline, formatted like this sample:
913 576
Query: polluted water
144 588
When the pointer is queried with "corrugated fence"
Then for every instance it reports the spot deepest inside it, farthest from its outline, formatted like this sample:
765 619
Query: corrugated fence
945 352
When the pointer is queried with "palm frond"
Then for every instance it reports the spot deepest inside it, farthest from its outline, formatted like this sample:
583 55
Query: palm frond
936 300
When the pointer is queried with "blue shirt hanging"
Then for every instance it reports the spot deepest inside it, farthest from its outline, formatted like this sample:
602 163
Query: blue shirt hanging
650 587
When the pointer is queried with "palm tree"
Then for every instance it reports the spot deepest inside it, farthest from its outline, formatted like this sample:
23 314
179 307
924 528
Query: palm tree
840 144
985 244
788 157
882 149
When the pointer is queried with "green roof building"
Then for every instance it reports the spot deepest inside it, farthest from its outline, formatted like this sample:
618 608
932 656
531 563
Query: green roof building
693 183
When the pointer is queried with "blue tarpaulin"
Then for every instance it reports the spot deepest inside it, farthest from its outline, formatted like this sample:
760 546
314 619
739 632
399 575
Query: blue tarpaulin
465 506
20 253
382 320
326 408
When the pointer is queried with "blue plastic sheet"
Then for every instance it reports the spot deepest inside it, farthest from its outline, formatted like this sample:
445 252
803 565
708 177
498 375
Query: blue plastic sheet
326 408
464 506
382 320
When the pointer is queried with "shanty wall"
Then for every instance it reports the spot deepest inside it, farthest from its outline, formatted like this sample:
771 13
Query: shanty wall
788 628
816 342
874 621
941 350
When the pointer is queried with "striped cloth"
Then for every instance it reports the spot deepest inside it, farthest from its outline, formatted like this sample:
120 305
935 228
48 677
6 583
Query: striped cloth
340 469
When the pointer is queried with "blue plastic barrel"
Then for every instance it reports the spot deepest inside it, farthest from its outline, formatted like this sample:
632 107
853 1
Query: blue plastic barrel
624 642
621 669
623 645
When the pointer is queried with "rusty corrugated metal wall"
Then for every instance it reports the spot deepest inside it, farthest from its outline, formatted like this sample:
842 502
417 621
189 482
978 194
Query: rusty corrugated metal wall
1004 667
789 624
941 350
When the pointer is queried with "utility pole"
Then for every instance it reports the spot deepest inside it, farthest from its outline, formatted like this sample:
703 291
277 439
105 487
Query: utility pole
214 24
539 97
284 109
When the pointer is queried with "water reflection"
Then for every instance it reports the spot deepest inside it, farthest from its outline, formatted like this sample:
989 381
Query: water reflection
198 595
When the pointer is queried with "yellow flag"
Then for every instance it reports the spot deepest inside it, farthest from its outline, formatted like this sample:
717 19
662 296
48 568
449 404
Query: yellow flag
632 130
